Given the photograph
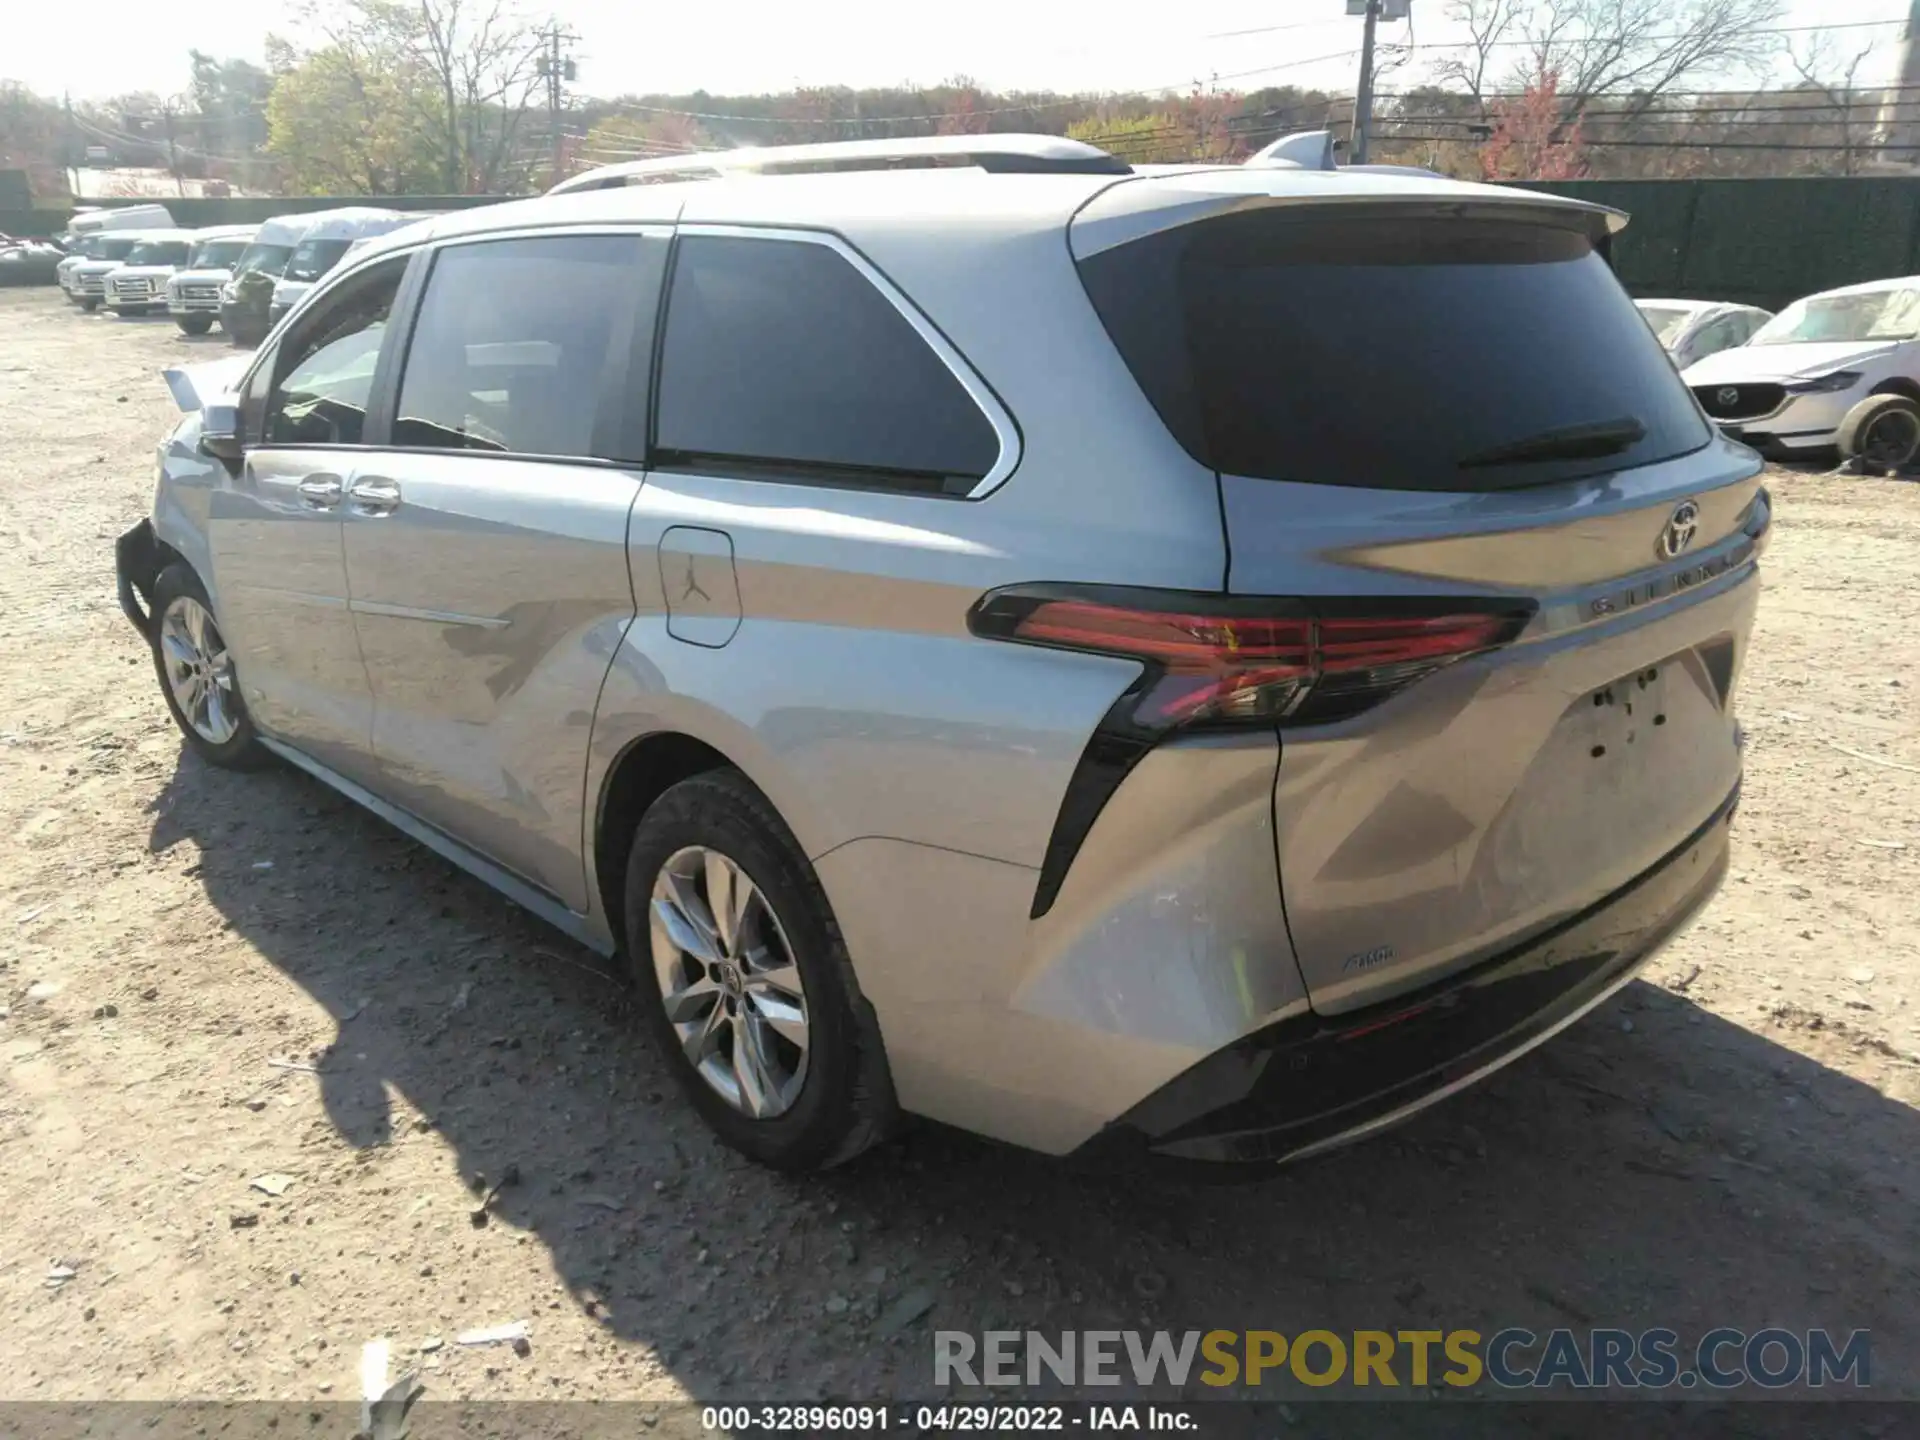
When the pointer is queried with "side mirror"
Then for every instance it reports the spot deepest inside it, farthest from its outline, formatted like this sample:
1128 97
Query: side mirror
220 435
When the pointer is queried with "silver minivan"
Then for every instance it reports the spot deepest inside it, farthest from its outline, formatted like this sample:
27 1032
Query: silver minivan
1199 664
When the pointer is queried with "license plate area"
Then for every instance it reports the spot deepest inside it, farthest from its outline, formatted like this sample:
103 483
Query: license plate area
1626 714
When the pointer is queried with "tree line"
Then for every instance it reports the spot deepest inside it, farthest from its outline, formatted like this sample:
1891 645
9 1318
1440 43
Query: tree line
389 97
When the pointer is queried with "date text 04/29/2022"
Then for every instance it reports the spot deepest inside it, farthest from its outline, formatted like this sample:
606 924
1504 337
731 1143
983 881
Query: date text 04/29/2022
978 1419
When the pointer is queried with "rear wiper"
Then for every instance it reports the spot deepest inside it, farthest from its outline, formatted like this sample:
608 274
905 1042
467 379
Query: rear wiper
1574 442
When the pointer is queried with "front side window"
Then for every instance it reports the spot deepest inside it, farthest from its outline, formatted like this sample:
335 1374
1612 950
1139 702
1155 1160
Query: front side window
512 342
780 356
327 363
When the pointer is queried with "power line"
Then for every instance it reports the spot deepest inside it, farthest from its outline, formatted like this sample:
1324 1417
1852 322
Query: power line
1671 144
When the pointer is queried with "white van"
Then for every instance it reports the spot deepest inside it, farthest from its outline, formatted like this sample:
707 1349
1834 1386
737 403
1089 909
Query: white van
245 295
92 220
138 285
331 235
193 294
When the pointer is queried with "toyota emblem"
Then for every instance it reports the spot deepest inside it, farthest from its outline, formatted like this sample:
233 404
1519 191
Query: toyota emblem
1726 396
1677 535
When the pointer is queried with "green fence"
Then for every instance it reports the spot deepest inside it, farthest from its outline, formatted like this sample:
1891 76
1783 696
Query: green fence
1761 242
193 214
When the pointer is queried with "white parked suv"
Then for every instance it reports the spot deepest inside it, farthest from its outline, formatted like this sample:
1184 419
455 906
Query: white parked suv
138 285
193 294
1789 389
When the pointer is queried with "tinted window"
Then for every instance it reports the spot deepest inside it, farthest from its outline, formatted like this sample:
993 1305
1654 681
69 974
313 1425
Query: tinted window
512 342
326 364
1410 350
116 247
781 354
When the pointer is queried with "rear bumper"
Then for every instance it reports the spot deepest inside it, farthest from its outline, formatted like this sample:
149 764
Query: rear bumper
136 560
1310 1084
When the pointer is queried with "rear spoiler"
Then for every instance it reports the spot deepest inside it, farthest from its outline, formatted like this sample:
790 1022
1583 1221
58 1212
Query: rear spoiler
195 387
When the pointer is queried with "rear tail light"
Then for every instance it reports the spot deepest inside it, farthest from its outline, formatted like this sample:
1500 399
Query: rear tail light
1221 660
1215 661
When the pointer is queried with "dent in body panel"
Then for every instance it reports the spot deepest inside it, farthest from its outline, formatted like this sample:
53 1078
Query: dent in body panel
489 606
1496 797
853 684
1166 943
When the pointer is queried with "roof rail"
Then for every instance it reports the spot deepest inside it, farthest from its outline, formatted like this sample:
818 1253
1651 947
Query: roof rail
999 154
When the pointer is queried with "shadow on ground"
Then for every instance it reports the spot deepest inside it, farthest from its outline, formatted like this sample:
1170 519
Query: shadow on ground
1654 1166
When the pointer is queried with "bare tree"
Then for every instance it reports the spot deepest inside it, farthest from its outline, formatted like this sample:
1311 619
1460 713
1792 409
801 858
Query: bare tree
484 57
1830 76
1644 48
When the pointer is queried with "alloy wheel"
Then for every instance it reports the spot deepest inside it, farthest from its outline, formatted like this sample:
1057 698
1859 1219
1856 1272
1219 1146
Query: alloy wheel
199 670
728 980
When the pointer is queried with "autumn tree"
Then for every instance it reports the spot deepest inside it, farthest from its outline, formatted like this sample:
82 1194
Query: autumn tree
347 118
1531 140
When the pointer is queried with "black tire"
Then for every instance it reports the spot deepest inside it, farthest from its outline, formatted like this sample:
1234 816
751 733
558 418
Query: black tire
1883 431
194 324
243 750
845 1103
89 303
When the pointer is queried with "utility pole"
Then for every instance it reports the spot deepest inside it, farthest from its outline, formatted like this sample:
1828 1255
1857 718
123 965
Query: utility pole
173 155
558 69
1363 92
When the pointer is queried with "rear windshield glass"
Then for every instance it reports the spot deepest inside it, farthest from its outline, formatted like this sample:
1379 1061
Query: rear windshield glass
266 259
1404 350
314 258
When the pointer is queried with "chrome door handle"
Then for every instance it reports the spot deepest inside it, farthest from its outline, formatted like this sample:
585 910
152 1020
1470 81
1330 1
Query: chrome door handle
375 495
320 492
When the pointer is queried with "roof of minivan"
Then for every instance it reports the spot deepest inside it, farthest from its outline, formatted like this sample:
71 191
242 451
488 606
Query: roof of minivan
225 232
975 202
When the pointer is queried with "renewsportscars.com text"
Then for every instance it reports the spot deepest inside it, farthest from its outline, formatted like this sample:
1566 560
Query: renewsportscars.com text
1511 1358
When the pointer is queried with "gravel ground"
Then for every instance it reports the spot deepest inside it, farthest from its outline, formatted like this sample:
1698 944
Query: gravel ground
209 978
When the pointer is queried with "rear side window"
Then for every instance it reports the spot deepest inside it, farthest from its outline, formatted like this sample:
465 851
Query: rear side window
513 342
781 359
1398 350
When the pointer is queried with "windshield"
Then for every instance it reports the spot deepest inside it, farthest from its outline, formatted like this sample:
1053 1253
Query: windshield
264 259
1865 315
1668 322
1393 349
115 247
87 247
158 252
216 254
315 257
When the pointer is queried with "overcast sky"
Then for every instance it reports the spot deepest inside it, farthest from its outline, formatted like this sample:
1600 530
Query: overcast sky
745 46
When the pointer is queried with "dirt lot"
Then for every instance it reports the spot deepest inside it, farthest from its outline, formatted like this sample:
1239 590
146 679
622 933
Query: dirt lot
1734 1142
